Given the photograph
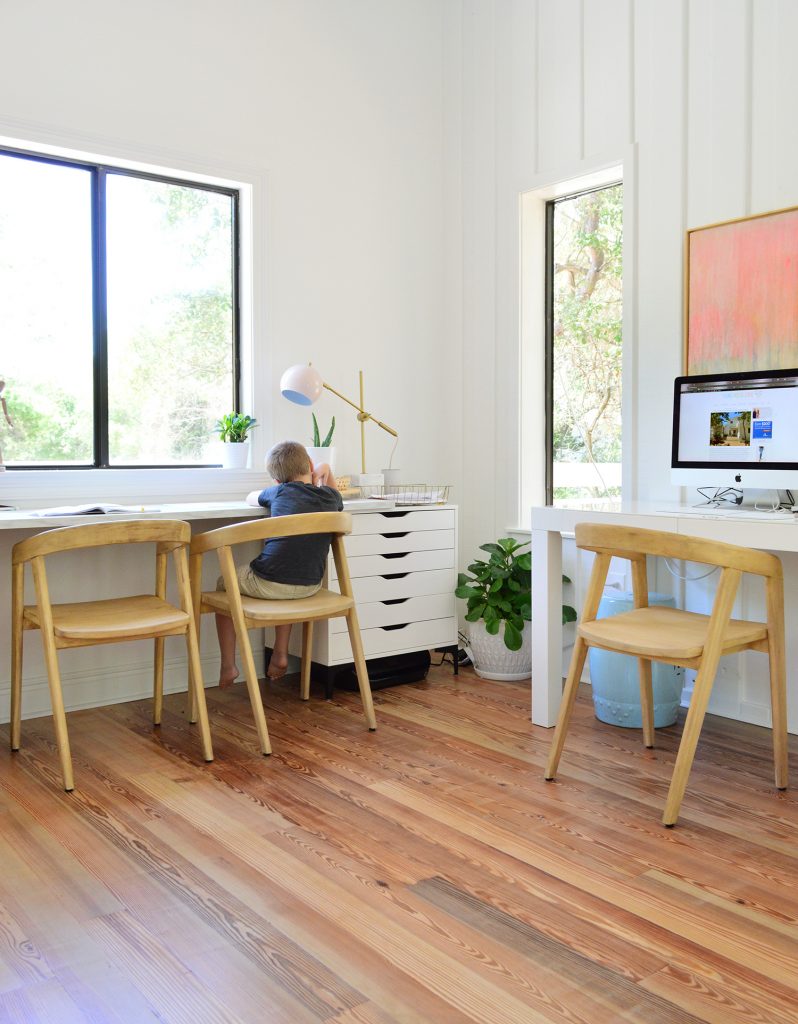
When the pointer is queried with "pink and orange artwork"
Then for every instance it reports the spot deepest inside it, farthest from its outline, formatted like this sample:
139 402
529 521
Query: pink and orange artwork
742 295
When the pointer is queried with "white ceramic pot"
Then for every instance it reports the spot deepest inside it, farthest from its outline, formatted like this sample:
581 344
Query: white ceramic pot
319 455
493 660
235 454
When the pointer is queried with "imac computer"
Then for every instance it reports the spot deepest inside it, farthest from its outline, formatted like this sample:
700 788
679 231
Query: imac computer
736 430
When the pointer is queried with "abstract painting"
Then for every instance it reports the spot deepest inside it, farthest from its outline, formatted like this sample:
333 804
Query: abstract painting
741 294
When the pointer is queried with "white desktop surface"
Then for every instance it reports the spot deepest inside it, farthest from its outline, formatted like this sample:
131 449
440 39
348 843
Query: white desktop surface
549 524
23 519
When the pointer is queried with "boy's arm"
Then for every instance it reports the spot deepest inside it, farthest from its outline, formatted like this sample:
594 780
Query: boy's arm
323 475
262 498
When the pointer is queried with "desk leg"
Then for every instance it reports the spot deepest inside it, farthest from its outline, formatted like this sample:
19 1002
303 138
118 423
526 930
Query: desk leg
546 626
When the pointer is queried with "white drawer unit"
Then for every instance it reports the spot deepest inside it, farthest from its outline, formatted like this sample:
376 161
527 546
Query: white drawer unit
403 568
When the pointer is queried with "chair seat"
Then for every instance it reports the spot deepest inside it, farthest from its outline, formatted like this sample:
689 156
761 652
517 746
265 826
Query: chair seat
126 618
322 605
667 634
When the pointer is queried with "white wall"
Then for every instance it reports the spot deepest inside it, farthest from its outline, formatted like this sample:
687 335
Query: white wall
335 112
696 98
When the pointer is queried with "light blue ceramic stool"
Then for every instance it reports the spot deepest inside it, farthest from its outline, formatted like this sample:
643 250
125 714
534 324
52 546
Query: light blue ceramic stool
614 677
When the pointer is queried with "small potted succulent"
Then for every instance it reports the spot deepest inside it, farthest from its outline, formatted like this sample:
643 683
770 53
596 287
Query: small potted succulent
233 431
498 592
322 451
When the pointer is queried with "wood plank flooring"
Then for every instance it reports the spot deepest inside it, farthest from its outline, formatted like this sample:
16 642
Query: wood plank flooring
422 873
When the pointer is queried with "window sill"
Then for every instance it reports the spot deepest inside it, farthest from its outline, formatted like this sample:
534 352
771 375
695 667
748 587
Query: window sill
36 488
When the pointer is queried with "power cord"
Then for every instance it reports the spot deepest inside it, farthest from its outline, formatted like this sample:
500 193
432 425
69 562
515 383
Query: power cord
688 579
721 496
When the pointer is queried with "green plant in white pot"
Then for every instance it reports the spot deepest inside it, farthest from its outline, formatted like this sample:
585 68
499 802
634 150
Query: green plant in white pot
499 592
322 450
233 429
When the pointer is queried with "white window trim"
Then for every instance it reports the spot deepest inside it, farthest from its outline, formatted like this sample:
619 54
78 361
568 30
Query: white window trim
40 487
576 178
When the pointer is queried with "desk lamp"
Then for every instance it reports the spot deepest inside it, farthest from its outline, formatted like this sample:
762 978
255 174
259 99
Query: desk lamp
303 385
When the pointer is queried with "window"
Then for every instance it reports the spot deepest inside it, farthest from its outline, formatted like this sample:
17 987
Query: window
584 277
120 314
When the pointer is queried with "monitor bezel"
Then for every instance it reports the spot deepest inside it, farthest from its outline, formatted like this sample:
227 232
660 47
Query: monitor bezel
697 378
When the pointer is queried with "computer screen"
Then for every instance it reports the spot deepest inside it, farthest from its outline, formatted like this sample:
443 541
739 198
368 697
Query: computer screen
736 430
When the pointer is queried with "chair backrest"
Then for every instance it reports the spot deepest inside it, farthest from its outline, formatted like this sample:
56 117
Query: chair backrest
335 523
635 543
168 534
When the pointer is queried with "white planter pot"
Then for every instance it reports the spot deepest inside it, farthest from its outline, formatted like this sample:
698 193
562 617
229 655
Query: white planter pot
319 455
235 454
492 659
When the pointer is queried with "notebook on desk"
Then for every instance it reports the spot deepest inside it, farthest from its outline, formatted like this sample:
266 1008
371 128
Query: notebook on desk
93 510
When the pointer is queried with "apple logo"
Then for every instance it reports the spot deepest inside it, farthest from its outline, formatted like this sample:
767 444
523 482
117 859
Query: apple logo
738 479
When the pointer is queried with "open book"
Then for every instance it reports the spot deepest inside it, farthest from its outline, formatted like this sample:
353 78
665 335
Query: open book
91 510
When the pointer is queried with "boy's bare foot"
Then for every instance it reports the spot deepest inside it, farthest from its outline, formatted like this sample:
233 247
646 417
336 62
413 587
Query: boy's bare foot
227 676
277 665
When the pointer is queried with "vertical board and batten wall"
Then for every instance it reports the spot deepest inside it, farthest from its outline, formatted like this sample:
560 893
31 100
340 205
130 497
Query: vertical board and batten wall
697 99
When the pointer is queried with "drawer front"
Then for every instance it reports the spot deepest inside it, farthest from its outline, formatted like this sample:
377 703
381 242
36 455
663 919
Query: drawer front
403 584
401 610
417 636
401 541
388 564
398 519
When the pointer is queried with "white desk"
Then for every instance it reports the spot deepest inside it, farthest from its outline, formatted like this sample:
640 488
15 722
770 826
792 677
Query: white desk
24 519
95 676
549 523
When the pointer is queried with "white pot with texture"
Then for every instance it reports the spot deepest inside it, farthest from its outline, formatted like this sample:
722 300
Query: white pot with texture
493 660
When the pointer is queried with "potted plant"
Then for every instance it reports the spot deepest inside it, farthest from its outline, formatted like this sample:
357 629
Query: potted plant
500 591
322 451
233 430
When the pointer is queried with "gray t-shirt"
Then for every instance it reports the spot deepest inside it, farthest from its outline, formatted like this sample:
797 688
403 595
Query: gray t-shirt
296 560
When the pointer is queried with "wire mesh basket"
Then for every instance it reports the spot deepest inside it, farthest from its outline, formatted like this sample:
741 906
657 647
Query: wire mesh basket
409 494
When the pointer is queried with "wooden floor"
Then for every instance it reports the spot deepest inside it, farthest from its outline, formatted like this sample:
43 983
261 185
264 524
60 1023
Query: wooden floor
421 873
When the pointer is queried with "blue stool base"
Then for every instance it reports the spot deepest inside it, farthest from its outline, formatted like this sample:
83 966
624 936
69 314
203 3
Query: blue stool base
615 681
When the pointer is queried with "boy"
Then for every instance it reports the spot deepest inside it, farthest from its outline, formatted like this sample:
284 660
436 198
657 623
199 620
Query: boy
288 567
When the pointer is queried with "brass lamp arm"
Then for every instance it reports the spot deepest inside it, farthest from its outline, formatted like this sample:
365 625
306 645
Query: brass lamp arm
362 414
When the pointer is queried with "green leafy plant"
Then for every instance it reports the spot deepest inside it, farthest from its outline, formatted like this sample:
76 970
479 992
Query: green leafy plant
500 590
328 439
234 427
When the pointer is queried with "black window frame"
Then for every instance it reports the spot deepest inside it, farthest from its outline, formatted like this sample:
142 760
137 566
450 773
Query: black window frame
99 172
548 312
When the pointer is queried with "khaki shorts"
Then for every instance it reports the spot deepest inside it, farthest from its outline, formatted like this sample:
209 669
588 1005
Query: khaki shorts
252 585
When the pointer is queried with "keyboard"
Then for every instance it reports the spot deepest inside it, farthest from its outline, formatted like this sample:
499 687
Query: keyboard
712 512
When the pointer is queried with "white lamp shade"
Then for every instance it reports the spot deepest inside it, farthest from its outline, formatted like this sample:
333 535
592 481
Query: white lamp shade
301 384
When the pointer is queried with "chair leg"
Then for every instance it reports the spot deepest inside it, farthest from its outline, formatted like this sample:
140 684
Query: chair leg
689 741
566 707
646 701
253 688
59 718
157 682
307 645
197 688
778 678
17 599
360 668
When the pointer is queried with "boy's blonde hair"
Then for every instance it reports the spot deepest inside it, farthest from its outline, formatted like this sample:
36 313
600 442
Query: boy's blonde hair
287 461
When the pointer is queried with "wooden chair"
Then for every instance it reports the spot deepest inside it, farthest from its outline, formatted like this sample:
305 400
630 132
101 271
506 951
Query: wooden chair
253 613
87 623
678 637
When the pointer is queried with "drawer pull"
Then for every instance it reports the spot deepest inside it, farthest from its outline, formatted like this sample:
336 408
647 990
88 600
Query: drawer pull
395 534
401 625
396 554
394 515
394 576
396 600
